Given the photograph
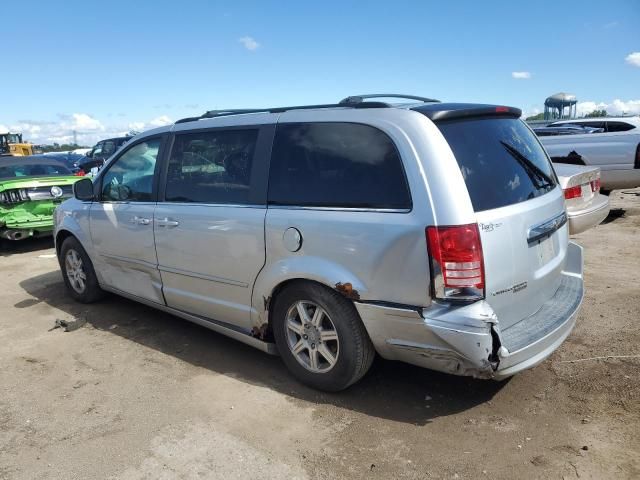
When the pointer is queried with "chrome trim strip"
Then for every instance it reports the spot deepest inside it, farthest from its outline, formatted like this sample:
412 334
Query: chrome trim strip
130 260
202 276
194 204
340 209
546 228
211 324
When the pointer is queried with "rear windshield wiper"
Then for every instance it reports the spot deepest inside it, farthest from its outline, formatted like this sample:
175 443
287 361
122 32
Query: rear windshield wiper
531 168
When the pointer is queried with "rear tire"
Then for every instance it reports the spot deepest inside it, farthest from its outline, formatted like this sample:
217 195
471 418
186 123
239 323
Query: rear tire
320 337
78 273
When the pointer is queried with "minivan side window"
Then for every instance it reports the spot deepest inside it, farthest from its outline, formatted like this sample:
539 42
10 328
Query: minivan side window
130 176
211 166
345 165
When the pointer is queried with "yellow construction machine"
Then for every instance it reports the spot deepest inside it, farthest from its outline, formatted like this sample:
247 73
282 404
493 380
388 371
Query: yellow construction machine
12 144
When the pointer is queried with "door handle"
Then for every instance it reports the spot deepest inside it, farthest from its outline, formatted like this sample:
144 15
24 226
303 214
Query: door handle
165 222
140 220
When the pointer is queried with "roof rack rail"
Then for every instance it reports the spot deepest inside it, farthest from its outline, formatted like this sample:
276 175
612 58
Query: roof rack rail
357 99
228 112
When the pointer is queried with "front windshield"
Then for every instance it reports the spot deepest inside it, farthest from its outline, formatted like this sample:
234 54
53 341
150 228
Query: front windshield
32 170
14 138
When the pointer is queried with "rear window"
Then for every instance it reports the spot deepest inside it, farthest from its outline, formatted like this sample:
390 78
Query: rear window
336 165
501 161
619 127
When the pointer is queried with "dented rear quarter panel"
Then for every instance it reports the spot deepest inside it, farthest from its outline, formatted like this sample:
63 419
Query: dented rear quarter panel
369 255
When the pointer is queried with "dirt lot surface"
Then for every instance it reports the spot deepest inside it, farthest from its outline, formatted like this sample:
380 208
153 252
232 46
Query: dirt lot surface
139 394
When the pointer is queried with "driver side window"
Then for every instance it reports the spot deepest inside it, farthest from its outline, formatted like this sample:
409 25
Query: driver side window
130 176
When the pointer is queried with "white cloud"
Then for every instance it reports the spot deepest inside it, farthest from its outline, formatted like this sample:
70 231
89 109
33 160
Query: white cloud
610 25
633 59
88 129
530 113
616 107
82 121
160 121
521 75
249 43
137 126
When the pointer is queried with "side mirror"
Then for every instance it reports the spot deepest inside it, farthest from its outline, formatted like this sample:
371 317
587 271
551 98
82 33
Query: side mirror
83 190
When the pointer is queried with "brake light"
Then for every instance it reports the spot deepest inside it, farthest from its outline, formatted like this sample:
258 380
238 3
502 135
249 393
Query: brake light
595 185
573 192
457 266
80 173
502 109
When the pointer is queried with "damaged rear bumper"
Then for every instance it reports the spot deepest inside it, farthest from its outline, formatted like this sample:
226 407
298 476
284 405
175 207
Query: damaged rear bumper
467 340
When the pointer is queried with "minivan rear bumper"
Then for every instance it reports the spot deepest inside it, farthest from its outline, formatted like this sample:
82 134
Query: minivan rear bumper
528 342
467 340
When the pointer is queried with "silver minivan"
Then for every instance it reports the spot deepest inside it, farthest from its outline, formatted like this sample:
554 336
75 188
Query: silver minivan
431 233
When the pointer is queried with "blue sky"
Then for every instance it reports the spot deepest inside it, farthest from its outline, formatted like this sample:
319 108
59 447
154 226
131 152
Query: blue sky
105 67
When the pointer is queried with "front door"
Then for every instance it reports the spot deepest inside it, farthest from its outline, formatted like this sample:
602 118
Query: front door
121 222
209 222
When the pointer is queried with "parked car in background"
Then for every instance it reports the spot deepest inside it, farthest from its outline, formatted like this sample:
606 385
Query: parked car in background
431 233
71 160
564 130
615 149
586 206
101 151
30 189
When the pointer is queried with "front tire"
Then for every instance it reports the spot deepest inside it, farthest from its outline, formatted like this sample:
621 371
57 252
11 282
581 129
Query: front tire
78 273
320 337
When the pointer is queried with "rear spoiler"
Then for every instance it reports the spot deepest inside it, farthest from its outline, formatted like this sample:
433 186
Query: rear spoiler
450 111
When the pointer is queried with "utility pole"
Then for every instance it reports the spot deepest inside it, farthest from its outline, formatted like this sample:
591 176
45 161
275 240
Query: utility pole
75 137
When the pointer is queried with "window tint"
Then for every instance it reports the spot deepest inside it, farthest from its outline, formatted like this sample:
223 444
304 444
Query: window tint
619 126
108 148
211 167
336 165
130 176
97 150
594 125
500 159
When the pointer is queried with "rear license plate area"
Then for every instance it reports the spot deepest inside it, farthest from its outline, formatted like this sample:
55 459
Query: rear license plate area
545 250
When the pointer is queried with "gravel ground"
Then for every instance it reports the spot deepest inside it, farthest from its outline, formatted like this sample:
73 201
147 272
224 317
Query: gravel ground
138 394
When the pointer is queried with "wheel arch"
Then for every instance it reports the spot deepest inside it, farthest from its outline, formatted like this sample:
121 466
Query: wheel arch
271 282
61 236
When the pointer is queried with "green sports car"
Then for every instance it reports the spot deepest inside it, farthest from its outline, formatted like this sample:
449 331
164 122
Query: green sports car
30 190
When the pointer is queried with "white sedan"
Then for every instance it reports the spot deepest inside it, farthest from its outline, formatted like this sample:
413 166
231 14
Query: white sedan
611 143
586 206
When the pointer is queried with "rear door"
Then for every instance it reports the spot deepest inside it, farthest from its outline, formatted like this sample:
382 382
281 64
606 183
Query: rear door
209 224
121 222
519 208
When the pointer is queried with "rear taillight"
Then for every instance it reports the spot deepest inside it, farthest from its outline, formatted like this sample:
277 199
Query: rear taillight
636 164
457 267
573 192
80 173
595 185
